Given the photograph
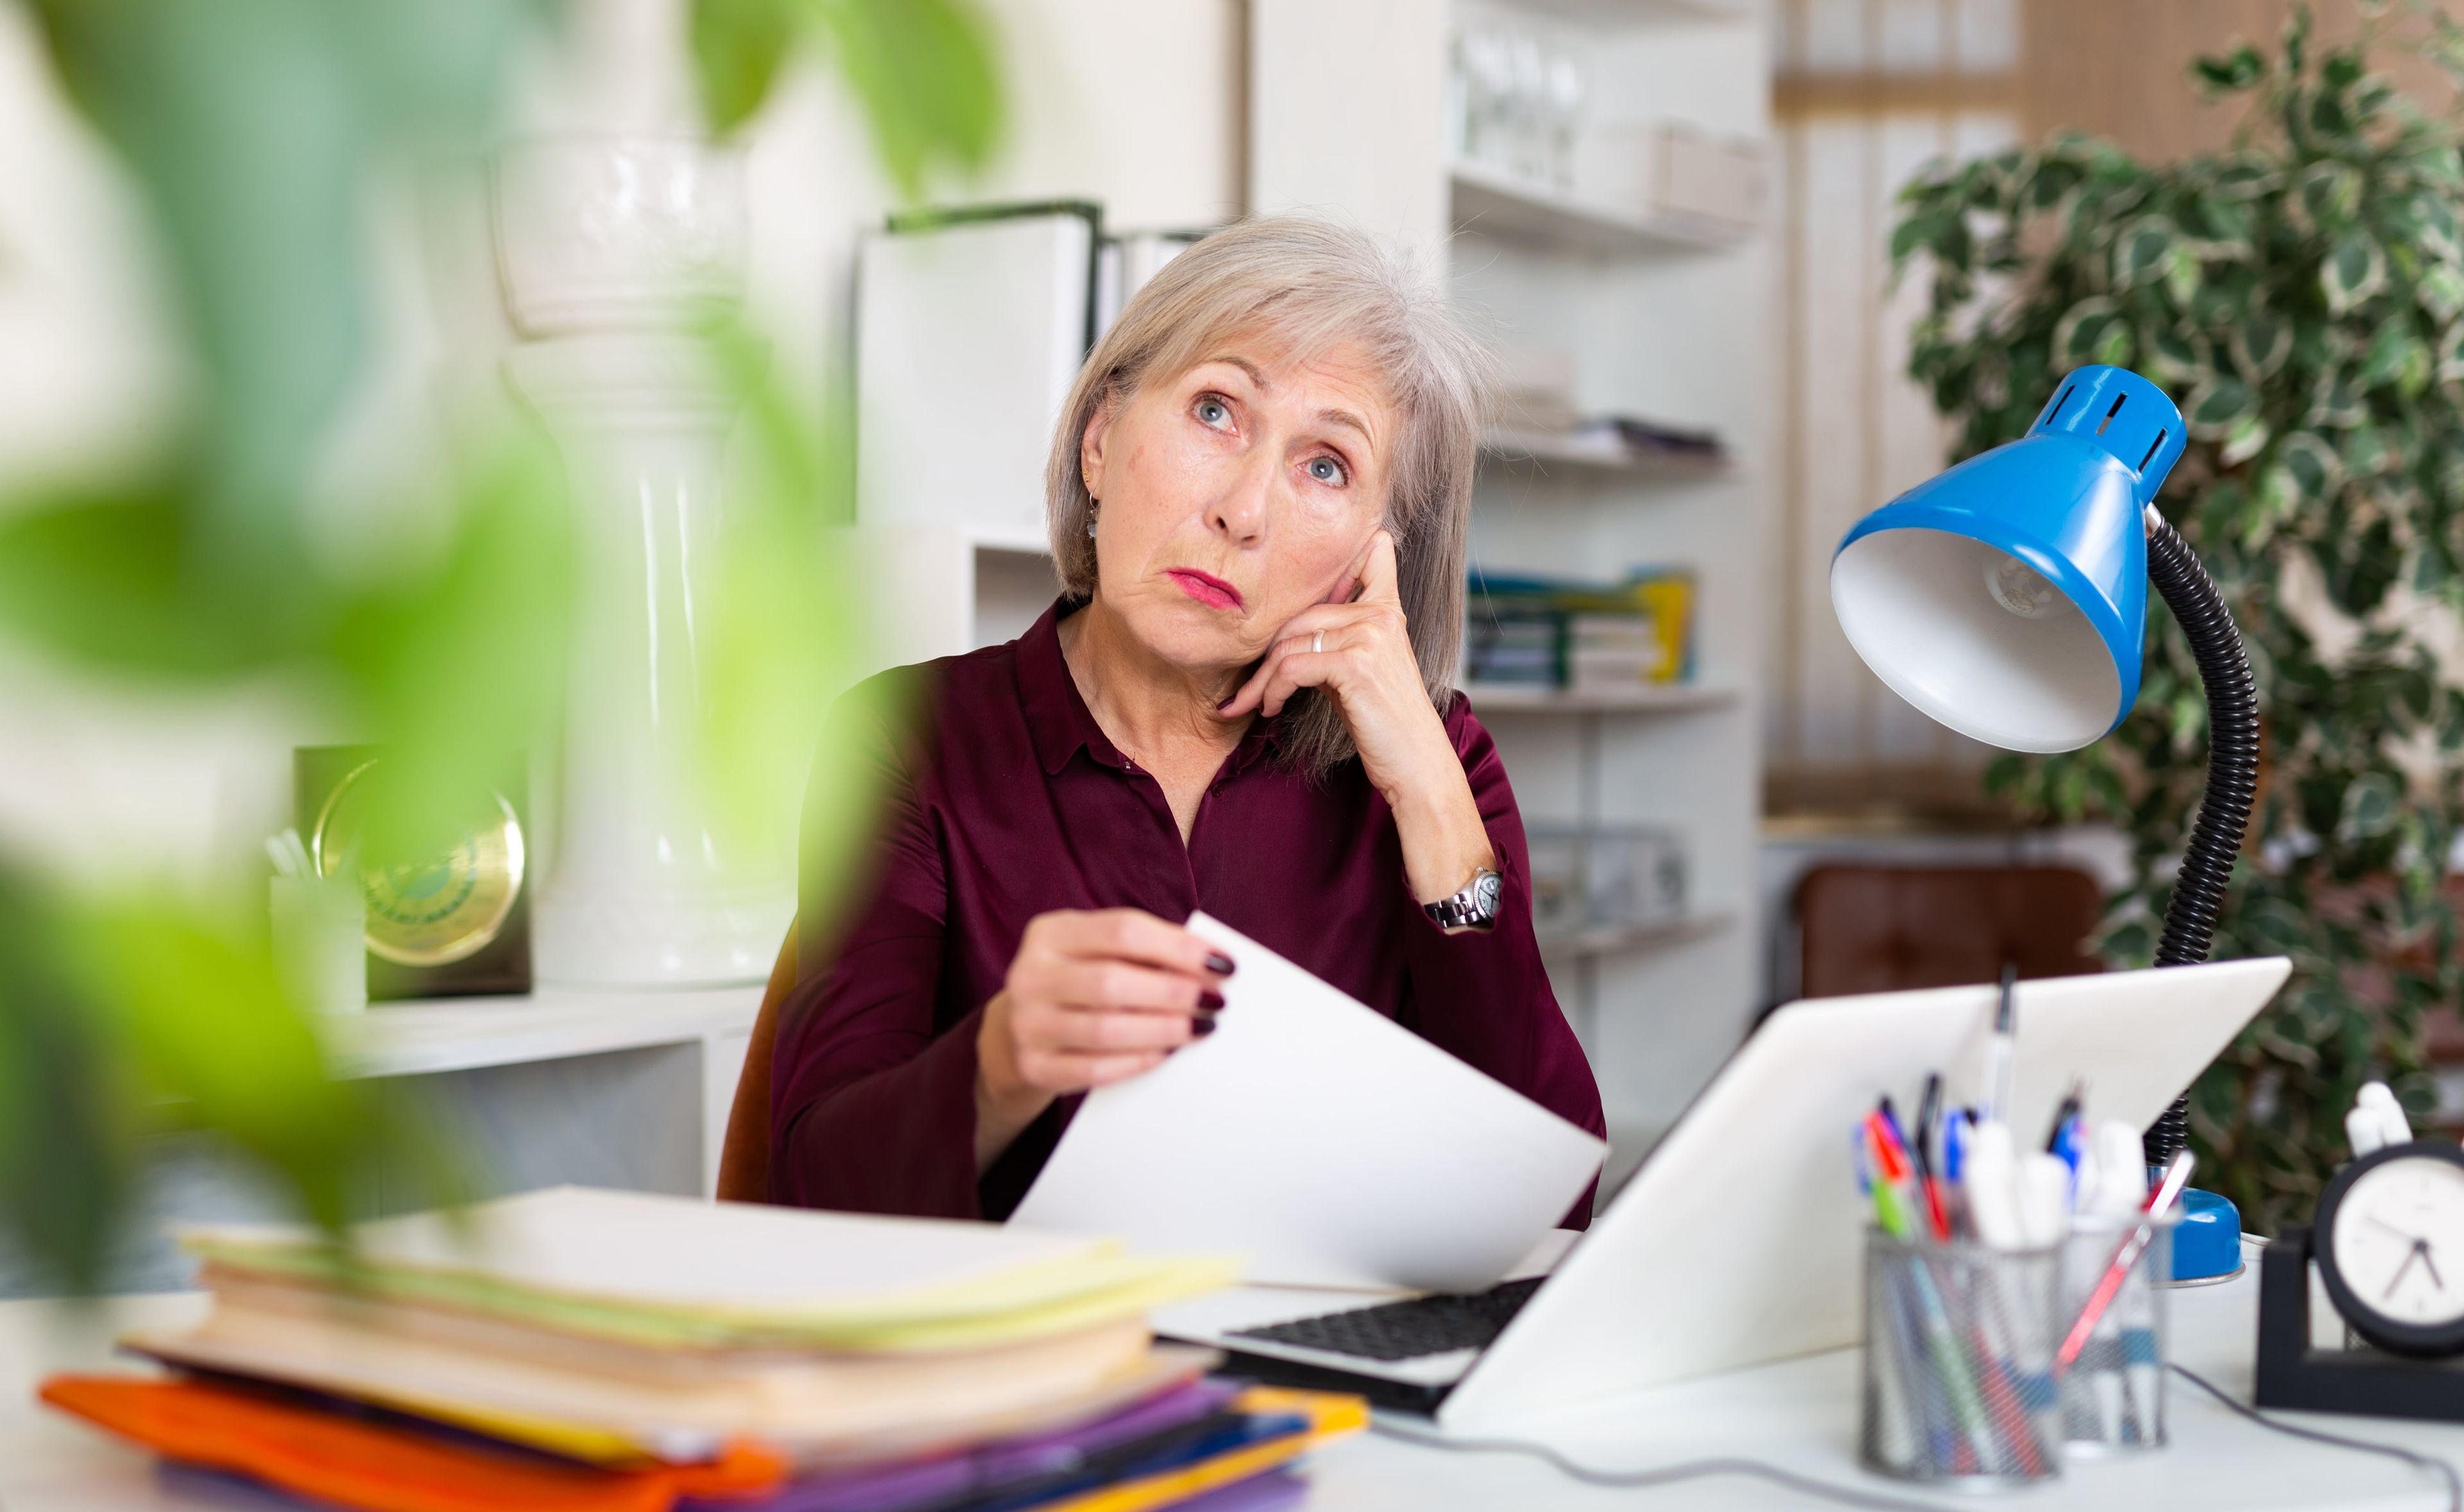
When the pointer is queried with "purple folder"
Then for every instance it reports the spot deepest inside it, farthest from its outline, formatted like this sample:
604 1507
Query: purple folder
984 1468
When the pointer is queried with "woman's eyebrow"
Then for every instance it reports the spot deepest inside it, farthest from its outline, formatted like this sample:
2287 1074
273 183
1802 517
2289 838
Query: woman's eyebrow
1257 375
1344 417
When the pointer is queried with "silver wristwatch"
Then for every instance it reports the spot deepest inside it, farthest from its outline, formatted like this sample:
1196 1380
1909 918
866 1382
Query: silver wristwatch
1474 908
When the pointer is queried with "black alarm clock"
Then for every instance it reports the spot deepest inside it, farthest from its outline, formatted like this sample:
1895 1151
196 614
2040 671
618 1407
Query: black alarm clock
2389 1243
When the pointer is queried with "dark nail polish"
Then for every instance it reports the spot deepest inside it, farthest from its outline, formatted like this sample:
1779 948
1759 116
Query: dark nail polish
1220 964
1210 1002
1226 704
1201 1026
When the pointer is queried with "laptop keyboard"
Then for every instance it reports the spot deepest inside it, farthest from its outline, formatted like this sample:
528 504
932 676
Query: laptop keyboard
1406 1330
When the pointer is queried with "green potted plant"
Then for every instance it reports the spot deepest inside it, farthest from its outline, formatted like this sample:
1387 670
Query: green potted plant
251 138
2301 295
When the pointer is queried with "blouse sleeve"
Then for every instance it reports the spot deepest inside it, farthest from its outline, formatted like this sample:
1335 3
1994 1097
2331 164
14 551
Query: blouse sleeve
1482 995
871 1110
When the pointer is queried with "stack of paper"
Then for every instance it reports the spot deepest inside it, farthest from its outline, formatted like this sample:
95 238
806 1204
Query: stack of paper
679 1348
1322 1140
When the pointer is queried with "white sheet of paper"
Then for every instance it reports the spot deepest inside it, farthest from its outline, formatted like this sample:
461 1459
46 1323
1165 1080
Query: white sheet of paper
1321 1140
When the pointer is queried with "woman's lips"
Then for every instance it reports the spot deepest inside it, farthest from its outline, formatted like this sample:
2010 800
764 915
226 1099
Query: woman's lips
1207 588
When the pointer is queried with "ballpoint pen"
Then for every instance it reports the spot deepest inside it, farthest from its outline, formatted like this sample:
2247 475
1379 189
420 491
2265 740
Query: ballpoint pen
2126 1255
1928 1173
1999 1051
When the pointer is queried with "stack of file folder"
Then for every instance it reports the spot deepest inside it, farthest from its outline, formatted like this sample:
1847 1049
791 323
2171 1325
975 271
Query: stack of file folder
596 1350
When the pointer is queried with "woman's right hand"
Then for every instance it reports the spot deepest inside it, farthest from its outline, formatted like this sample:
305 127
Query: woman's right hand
1091 998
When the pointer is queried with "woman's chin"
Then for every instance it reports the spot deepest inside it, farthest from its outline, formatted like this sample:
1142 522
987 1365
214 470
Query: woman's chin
1195 638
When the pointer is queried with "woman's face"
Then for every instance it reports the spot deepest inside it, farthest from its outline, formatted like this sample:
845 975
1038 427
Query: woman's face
1234 496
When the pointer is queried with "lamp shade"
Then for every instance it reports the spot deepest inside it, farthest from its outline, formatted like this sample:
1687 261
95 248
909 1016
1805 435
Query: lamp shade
2008 597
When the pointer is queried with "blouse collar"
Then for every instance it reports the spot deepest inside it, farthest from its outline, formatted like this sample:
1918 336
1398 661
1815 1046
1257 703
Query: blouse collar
1058 721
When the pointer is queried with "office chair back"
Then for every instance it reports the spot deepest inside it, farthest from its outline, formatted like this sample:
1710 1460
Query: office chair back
744 1157
1890 929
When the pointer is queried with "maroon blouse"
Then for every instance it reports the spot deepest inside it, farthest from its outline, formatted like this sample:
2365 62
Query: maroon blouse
1011 803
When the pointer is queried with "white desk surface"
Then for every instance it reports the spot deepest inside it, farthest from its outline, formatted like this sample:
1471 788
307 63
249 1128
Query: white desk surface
461 1034
1800 1413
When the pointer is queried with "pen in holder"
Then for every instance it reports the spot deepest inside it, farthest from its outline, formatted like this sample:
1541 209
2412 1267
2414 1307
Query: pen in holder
320 931
2112 1395
1959 1362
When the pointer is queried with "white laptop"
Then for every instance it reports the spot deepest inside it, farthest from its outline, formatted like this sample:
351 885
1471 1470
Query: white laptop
1739 1240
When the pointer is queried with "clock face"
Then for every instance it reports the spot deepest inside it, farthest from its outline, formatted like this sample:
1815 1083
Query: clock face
2397 1242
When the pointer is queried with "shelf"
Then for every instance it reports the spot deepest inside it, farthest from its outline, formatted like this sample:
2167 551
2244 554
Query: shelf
1491 201
1644 698
425 1035
1638 13
1029 542
1610 939
1539 448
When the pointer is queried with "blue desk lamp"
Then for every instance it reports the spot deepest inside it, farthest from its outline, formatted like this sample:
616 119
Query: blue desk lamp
2007 599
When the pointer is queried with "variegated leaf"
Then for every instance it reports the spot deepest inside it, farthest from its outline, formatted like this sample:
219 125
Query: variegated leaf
2141 251
2329 194
2353 269
2245 439
2336 400
2183 276
2367 453
2394 353
2260 343
2440 230
2244 176
2451 353
2216 410
2309 465
2093 331
2179 356
2370 805
2441 290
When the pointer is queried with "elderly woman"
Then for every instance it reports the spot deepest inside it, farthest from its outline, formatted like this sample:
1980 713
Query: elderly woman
1258 496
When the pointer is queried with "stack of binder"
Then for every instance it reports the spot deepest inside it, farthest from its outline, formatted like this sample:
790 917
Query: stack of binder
588 1349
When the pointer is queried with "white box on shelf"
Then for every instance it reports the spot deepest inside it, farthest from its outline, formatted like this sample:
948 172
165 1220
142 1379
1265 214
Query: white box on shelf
1669 169
968 336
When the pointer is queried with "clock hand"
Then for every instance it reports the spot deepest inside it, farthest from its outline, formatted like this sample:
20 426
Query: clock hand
2408 1238
2397 1279
2435 1278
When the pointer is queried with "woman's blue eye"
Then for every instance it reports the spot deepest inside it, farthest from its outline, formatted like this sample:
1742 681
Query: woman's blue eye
1326 469
1214 411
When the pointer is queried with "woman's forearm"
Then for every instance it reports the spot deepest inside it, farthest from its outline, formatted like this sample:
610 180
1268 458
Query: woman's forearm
1004 1103
1444 838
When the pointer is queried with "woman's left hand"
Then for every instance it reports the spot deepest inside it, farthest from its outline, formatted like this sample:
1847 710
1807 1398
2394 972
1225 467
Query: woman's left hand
1359 654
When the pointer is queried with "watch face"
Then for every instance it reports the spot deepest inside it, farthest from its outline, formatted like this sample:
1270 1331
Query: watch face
2393 1250
1486 894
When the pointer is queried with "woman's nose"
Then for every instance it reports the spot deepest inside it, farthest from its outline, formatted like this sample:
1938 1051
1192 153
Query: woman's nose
1240 510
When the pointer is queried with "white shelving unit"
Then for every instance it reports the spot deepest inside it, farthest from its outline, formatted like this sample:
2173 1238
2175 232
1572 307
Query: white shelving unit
1542 451
1609 939
1665 318
1490 202
1642 699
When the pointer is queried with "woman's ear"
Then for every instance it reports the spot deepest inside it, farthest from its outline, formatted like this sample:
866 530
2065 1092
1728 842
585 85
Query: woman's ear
1091 448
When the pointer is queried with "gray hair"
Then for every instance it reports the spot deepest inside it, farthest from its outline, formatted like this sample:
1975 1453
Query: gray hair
1309 285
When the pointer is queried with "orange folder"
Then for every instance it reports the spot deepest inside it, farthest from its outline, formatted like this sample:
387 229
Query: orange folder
378 1468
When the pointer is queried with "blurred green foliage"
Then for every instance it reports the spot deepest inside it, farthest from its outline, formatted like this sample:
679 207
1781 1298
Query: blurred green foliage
253 131
2302 294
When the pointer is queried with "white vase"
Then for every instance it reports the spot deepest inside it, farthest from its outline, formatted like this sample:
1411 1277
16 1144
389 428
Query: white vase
619 234
642 889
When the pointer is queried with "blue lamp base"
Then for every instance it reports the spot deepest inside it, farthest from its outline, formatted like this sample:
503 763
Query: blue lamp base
2207 1243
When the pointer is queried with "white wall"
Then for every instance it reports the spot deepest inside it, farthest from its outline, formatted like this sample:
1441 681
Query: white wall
1351 104
1130 102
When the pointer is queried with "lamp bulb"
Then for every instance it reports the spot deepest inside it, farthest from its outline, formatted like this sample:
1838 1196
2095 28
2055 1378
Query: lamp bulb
2023 589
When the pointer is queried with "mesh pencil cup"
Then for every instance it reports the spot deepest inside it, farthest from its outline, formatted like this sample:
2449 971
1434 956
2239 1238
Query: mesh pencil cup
2112 1395
1958 1363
